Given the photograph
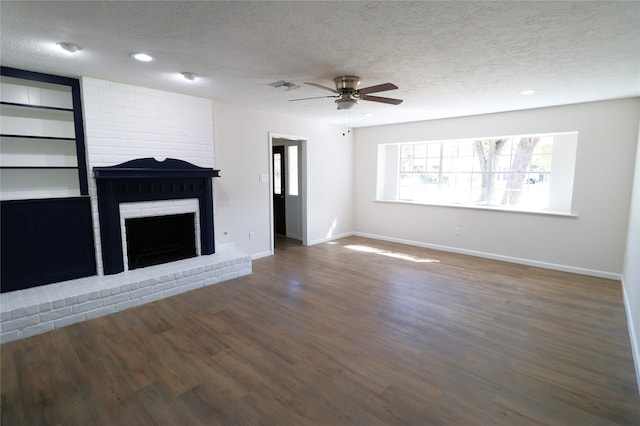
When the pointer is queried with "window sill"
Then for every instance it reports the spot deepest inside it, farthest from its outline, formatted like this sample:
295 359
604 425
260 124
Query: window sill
481 207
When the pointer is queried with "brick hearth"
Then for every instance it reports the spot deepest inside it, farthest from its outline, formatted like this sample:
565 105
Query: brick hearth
40 309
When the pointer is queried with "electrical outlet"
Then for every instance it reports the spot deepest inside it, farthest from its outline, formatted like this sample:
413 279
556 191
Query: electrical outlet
457 230
252 235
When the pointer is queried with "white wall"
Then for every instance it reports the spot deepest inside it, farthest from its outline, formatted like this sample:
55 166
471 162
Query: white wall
631 272
124 122
242 154
593 242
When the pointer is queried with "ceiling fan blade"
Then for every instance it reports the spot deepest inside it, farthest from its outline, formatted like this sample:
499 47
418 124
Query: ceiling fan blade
379 88
314 97
381 99
323 87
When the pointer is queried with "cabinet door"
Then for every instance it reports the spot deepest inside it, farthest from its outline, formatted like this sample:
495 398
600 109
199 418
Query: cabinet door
46 241
19 248
66 242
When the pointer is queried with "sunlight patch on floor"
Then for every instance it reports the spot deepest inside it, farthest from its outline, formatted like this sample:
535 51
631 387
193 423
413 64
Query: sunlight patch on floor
396 255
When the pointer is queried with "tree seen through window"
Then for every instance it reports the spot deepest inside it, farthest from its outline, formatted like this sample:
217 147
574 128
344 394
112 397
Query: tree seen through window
514 171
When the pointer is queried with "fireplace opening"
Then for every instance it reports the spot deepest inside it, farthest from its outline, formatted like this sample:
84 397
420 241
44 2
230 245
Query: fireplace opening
160 239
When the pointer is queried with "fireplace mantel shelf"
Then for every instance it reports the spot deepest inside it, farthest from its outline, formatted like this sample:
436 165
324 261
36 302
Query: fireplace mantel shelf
149 168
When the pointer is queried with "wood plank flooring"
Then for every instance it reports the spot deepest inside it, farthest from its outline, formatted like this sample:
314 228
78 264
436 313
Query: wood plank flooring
353 332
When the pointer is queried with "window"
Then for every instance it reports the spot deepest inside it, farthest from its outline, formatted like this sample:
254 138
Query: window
532 172
292 175
277 173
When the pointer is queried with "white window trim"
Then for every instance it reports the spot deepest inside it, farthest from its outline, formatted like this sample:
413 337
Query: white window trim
480 207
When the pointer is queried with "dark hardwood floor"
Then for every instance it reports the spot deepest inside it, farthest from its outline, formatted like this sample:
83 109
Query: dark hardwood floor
353 332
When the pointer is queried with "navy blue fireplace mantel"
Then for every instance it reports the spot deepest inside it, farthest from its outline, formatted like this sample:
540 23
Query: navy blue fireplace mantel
147 179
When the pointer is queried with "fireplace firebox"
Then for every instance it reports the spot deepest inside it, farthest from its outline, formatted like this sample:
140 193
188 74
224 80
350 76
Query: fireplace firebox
147 179
160 239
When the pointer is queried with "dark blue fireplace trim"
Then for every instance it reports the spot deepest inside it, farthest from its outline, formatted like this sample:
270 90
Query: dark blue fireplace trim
147 179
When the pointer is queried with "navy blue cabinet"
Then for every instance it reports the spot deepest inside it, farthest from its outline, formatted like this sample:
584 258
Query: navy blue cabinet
45 241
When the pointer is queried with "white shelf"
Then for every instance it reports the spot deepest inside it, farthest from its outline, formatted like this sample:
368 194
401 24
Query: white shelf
21 91
24 184
25 152
20 120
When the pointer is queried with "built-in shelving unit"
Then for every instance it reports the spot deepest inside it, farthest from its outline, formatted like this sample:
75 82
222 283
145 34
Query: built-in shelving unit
39 142
43 180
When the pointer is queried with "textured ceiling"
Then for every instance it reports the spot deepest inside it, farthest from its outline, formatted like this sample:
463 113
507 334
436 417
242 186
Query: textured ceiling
448 58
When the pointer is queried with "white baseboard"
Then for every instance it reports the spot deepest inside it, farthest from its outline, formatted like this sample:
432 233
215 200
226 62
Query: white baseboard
331 238
528 262
633 337
261 254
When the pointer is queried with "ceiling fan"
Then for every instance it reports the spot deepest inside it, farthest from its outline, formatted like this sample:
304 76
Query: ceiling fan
347 93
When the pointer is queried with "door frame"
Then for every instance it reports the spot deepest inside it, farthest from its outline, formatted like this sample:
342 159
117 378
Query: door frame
302 152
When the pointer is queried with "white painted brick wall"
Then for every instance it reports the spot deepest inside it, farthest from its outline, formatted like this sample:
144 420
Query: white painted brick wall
124 122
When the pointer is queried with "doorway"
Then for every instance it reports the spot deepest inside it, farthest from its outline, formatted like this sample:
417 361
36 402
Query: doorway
288 189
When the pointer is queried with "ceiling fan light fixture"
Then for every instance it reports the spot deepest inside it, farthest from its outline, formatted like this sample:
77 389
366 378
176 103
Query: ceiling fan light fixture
346 103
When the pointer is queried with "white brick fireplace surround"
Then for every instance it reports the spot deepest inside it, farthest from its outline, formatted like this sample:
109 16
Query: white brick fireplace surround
123 123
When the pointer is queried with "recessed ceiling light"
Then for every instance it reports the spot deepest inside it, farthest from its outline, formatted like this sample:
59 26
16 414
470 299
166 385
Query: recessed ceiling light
191 76
528 92
368 114
68 47
142 57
